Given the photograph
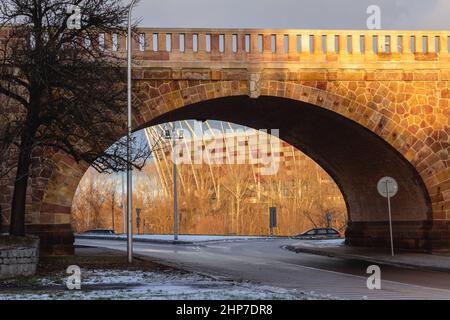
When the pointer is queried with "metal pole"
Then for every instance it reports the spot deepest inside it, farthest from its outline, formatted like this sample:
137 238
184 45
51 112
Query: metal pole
113 207
129 173
390 218
175 196
124 211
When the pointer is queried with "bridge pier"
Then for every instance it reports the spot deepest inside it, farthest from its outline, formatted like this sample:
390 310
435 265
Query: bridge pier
428 236
55 239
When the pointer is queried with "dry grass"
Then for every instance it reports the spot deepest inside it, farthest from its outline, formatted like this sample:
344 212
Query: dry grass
86 258
92 259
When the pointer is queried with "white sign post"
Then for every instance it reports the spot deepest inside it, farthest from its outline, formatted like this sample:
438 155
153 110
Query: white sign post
388 188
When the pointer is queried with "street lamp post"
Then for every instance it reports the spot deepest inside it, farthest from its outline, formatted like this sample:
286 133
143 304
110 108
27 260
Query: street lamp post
124 209
174 136
175 194
129 173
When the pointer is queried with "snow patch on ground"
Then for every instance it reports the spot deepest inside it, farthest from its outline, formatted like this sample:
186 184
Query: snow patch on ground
320 243
140 285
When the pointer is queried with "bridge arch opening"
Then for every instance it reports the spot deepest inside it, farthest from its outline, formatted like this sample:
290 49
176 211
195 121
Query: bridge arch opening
355 157
228 178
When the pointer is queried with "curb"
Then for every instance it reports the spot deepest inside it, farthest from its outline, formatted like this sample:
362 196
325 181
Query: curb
365 259
178 242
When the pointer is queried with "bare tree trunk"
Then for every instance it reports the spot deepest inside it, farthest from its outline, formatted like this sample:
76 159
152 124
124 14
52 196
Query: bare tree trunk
17 225
238 216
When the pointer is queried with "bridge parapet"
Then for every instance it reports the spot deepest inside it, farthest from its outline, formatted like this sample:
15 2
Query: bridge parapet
275 48
304 47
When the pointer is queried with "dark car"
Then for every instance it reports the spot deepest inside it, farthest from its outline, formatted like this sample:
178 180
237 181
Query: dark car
319 234
100 232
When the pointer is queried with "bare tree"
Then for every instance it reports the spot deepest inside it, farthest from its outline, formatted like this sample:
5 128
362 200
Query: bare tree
225 199
238 183
91 199
67 88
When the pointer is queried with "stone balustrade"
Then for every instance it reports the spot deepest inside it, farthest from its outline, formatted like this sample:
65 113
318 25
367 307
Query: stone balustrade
317 46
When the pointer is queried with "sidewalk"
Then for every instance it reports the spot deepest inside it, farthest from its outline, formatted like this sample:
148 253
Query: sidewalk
337 248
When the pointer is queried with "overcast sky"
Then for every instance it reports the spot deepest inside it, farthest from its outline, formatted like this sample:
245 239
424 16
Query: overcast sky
290 14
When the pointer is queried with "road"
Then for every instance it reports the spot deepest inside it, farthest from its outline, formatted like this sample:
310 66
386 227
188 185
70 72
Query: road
265 262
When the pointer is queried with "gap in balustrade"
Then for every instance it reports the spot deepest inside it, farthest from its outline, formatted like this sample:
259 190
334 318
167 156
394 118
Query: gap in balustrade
375 44
437 46
311 44
299 43
234 43
142 42
155 42
400 44
349 44
182 42
273 43
115 42
87 42
387 44
336 44
168 42
424 45
101 41
413 44
221 43
362 44
324 44
208 42
286 43
260 43
195 42
247 43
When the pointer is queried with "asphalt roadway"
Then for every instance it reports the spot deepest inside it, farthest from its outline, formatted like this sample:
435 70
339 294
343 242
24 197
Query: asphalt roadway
265 262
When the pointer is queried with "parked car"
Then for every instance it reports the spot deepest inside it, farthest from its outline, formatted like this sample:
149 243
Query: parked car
319 234
99 232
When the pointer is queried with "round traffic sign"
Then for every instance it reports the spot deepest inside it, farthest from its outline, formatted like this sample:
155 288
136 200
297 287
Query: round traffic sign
387 186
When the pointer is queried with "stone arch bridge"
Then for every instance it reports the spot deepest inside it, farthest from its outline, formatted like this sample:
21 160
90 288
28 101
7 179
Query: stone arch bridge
362 104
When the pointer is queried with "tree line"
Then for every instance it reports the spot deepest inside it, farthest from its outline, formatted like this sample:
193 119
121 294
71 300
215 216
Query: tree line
222 199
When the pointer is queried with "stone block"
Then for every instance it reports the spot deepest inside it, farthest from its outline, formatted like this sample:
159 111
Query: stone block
196 74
